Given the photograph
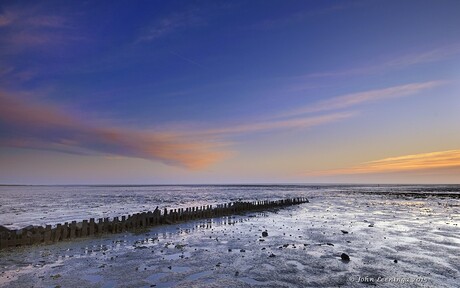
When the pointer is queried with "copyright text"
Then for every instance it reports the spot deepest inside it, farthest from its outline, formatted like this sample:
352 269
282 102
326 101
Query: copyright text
379 279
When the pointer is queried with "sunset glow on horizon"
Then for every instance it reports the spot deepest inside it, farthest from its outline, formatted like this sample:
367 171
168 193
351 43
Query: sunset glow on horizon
424 161
229 92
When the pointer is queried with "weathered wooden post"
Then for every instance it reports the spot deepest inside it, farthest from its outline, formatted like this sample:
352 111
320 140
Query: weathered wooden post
123 223
115 225
91 226
47 235
100 226
165 215
141 220
144 219
57 233
37 236
73 228
129 222
65 231
23 238
149 218
170 216
3 240
84 228
135 219
181 214
12 239
107 226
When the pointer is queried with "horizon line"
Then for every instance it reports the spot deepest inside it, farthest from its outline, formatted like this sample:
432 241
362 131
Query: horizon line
241 184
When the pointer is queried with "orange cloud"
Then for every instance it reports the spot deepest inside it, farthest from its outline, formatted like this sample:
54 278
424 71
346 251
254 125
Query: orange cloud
416 162
40 126
33 125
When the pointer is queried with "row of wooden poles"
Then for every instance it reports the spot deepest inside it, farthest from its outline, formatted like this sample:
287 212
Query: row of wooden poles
46 235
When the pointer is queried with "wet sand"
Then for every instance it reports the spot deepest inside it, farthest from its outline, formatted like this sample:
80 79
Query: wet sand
303 248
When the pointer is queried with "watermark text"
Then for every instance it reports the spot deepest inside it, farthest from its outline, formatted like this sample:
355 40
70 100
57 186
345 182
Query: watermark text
381 279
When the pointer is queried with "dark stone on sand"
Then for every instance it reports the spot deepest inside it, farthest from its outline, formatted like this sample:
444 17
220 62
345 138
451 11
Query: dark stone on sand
261 240
237 273
229 250
242 250
169 267
264 234
345 257
330 244
396 261
272 255
371 225
344 231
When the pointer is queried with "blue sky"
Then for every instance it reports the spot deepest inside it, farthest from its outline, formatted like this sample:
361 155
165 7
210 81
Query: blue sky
229 92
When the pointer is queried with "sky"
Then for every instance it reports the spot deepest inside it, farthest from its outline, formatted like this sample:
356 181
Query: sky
222 92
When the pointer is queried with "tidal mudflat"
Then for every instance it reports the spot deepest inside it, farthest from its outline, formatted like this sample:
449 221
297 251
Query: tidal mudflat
389 239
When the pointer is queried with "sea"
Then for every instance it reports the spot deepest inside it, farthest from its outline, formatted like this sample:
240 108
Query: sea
394 236
21 206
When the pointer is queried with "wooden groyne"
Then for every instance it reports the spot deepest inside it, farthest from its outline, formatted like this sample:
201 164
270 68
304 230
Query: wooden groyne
32 235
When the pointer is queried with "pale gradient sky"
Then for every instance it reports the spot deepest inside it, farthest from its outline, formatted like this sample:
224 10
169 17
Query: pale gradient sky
172 92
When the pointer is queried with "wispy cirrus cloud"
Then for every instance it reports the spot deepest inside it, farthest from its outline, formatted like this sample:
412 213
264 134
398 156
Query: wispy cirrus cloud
30 17
33 26
270 125
437 54
40 126
44 126
406 163
393 63
353 99
28 31
170 24
302 15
